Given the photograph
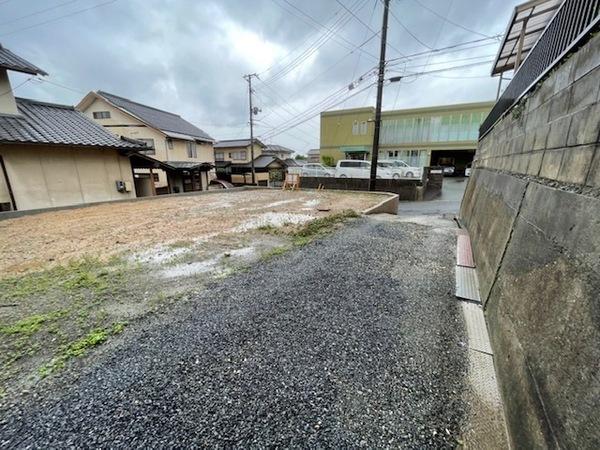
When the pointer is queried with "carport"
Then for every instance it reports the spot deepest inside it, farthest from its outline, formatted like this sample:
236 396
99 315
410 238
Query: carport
456 158
182 176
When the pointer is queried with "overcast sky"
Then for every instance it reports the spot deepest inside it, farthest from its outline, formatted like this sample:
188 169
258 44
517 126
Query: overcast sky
188 56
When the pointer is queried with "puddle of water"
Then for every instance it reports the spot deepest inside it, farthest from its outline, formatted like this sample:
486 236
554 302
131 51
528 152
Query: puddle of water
206 266
186 270
271 205
311 203
159 255
273 219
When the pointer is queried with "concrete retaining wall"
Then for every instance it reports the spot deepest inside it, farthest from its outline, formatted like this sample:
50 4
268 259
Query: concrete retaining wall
532 208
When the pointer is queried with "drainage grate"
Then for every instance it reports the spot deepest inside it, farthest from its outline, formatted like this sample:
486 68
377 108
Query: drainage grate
476 328
467 286
464 253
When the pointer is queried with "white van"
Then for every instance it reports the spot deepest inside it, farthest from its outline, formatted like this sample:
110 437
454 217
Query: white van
354 168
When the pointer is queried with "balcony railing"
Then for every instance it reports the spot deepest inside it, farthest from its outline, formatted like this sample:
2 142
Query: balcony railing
572 22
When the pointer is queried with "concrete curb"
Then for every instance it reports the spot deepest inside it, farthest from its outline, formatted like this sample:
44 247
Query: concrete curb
389 205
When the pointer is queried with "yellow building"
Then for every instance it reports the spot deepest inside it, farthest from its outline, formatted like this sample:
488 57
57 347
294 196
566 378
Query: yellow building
172 140
52 155
439 135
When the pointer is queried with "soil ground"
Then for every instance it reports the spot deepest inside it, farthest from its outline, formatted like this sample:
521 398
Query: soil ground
35 242
71 280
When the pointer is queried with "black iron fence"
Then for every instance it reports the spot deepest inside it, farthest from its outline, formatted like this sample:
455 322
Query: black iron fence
573 20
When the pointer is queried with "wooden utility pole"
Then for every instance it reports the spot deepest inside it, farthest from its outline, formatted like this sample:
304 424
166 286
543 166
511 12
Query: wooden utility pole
248 78
375 149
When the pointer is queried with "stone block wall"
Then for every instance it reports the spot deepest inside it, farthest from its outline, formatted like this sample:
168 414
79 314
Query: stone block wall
532 208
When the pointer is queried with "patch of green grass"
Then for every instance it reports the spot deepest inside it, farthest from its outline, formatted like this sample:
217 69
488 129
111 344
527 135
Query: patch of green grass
79 347
273 252
85 274
320 227
269 229
180 244
30 325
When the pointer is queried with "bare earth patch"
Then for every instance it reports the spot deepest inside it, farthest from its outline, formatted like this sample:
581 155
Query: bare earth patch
34 242
70 280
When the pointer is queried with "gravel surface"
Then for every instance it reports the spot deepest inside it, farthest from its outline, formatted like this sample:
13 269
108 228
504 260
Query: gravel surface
352 341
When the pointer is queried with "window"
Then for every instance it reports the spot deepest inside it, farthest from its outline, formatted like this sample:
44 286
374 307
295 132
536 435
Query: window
219 156
241 155
150 143
155 177
169 143
359 128
101 114
191 150
363 128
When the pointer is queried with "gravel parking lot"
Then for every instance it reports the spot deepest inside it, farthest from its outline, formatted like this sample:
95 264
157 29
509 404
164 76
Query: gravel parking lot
351 341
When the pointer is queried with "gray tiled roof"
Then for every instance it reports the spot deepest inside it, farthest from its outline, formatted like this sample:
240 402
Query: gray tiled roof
274 148
48 123
8 60
262 162
157 118
233 143
290 162
188 165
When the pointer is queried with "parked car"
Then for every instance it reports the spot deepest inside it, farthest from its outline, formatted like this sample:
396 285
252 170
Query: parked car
400 169
353 168
316 170
448 170
468 170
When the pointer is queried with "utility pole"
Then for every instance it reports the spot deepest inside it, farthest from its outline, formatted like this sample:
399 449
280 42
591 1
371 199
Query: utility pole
375 150
248 78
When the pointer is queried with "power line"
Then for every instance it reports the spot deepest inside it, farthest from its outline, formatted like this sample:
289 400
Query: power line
318 106
446 69
38 12
16 87
446 19
322 40
330 22
57 18
305 54
43 80
330 97
322 26
450 47
286 109
408 31
367 26
313 115
471 58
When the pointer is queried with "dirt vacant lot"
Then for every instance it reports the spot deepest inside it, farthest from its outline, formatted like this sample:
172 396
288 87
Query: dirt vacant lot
72 279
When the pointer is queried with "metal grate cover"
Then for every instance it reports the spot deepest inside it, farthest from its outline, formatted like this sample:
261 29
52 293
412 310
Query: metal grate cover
476 328
464 252
467 286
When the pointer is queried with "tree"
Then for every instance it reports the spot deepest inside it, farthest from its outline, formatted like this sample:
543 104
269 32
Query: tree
300 157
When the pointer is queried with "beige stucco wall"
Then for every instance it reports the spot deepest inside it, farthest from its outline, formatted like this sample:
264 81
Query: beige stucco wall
247 178
7 99
122 124
226 151
43 176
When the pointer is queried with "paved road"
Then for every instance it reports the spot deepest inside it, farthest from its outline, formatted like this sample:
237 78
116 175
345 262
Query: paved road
448 204
352 341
